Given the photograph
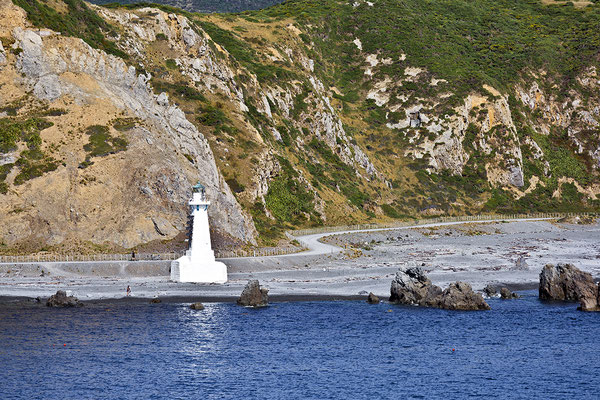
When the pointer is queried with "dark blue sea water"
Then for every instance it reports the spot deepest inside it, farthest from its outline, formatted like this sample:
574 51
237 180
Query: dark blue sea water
300 350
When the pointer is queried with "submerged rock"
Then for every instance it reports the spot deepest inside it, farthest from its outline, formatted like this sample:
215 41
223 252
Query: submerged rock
506 294
254 295
60 299
411 286
372 299
155 300
197 306
566 282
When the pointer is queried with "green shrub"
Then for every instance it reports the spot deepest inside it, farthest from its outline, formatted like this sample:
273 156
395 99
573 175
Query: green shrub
33 164
13 130
244 54
101 143
4 171
212 116
9 135
235 186
562 160
287 200
124 124
80 21
390 211
171 64
269 230
178 90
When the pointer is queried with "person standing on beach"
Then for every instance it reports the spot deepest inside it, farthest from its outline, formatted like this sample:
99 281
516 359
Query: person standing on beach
128 291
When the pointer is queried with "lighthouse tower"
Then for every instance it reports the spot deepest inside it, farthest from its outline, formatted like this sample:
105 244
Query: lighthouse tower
198 264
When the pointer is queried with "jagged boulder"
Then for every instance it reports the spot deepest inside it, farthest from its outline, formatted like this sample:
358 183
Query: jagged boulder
506 294
254 295
411 286
565 282
460 296
60 299
197 306
490 291
372 299
589 303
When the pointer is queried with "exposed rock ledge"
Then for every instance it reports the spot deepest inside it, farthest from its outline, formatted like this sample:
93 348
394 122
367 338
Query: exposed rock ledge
411 286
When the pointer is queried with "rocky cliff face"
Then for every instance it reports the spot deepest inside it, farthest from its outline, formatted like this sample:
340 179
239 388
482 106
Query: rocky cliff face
125 199
105 133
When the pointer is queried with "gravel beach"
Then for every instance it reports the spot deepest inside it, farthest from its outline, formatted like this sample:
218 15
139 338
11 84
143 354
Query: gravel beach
477 253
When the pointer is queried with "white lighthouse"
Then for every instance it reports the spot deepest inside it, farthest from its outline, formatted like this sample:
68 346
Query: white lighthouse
198 264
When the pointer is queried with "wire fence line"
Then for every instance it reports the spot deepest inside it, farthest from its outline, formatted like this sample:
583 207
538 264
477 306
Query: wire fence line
262 252
32 258
39 258
426 221
275 251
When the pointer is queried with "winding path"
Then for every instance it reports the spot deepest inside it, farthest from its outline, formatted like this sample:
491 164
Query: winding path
315 247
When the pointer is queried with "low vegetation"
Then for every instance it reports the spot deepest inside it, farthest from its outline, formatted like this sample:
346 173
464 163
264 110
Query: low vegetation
102 143
79 21
32 161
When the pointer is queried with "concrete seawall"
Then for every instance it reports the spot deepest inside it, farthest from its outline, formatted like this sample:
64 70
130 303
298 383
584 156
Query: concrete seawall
156 268
91 268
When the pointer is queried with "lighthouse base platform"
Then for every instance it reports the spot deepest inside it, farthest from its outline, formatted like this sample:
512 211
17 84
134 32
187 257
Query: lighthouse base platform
186 269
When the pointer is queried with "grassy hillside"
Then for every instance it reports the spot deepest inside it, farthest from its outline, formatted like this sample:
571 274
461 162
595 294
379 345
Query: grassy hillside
495 87
469 43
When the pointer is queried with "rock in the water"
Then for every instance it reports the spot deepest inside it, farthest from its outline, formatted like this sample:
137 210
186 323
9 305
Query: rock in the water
197 306
155 300
460 296
565 282
60 299
254 295
506 294
588 303
372 299
411 286
568 283
490 291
